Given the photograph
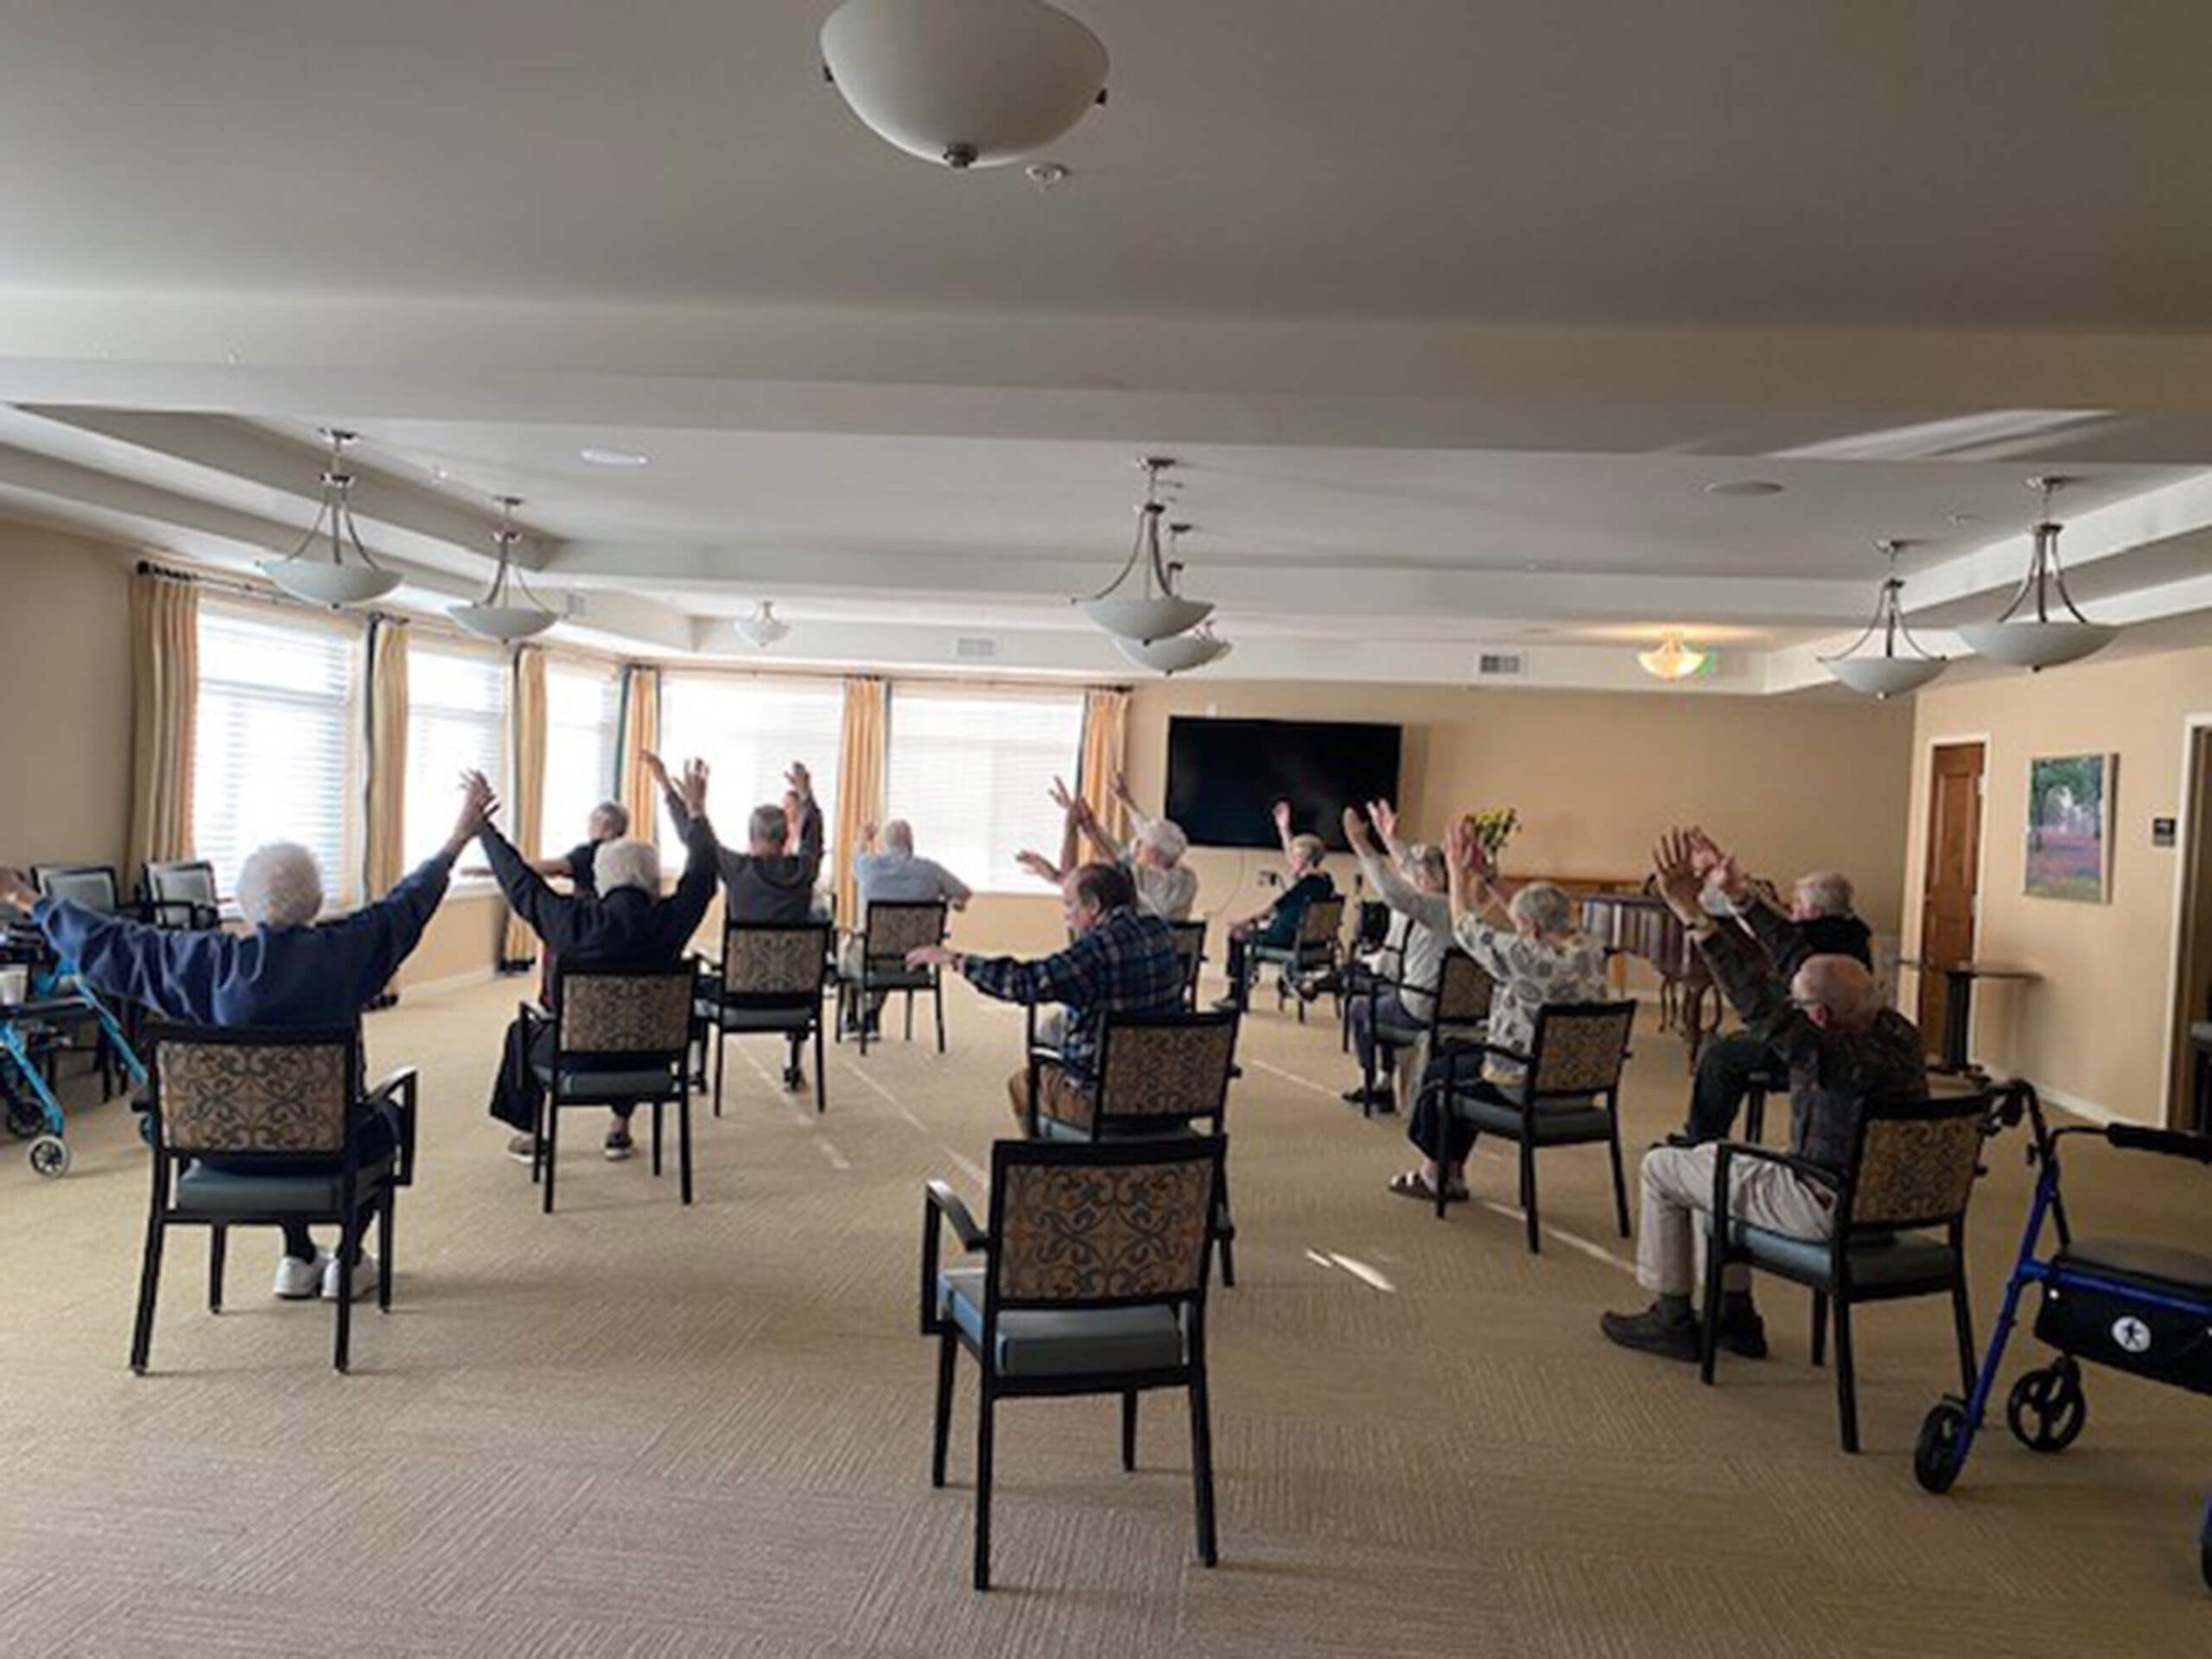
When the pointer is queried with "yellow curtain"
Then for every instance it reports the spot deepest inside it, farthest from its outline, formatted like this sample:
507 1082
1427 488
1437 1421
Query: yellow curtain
1105 739
641 735
165 693
859 783
387 851
526 789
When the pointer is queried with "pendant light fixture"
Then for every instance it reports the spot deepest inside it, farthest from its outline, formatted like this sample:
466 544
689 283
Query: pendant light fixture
1152 609
1177 652
967 83
2041 640
762 628
497 615
1890 672
332 580
1675 659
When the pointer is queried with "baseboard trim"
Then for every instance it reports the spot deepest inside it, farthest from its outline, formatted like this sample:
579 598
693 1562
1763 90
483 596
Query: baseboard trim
2080 1108
451 983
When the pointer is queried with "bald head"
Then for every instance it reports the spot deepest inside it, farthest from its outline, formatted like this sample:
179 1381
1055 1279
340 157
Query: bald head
1836 993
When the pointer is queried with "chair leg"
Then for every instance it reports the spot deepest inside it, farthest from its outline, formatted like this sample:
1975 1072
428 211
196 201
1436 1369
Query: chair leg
936 1000
218 1239
656 1116
1620 1182
1820 1327
349 1244
860 1016
386 1224
947 1351
983 1489
910 1016
722 1043
552 1141
1128 1429
821 1082
1528 1195
1227 1248
1846 1382
150 1285
1366 1073
1716 1264
683 1144
1963 1313
1202 1467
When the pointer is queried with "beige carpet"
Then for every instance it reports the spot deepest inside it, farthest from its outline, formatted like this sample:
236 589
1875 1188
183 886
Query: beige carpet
632 1429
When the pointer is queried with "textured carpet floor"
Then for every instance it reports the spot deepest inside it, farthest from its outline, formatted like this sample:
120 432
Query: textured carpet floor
634 1429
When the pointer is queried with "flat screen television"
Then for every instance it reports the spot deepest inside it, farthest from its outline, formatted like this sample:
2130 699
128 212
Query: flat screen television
1225 776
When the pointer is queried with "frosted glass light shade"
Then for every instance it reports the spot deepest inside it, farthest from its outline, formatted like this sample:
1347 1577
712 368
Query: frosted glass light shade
2034 645
320 583
1885 676
503 622
1140 616
1172 655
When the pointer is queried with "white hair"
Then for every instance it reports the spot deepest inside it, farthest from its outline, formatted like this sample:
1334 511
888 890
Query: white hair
1309 849
898 836
1165 837
627 863
1825 892
280 886
1543 907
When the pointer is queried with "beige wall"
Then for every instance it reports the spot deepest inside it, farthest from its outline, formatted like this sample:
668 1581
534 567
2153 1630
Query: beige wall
2097 1029
1795 783
462 940
64 698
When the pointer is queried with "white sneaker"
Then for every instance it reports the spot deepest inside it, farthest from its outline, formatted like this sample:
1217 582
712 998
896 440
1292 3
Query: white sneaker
298 1281
364 1277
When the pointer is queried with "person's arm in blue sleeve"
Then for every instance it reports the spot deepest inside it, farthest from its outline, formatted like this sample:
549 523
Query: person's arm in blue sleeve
164 969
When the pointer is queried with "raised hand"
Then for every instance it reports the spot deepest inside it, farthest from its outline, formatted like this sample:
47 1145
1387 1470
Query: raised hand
1385 817
800 779
694 788
1039 865
1673 871
868 827
658 772
1121 789
1282 816
16 887
1062 797
1463 848
1355 830
477 804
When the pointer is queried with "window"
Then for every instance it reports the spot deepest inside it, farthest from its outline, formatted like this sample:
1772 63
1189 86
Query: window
748 731
273 757
456 699
969 770
582 704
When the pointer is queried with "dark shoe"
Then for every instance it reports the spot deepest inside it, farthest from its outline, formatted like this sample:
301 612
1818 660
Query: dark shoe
619 1145
1744 1333
795 1081
1653 1332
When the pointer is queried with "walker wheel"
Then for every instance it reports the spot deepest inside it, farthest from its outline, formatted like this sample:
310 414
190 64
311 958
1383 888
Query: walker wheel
2047 1408
1940 1453
49 1156
146 1128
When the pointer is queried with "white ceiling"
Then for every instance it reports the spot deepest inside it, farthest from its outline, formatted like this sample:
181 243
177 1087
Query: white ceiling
1450 311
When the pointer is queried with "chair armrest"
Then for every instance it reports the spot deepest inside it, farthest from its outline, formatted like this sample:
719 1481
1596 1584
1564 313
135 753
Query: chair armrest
1501 1051
1819 1174
398 1094
940 1202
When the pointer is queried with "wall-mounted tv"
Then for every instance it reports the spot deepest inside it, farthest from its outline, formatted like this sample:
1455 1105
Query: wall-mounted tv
1223 776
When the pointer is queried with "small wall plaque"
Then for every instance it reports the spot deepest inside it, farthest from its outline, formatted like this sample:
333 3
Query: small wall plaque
2162 832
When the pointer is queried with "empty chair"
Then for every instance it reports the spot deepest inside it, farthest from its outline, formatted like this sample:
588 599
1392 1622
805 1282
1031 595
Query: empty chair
92 885
771 979
1191 950
889 929
181 893
236 1115
620 1037
1092 1280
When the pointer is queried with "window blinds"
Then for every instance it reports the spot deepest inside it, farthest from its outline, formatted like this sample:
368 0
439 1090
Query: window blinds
457 705
582 705
969 769
749 732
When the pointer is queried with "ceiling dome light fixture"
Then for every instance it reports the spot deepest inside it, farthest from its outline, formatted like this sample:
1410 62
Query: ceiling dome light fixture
2040 641
969 83
332 582
496 616
762 628
1142 614
1182 652
1673 660
1890 672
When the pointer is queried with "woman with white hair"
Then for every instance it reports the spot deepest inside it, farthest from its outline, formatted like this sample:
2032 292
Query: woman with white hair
1541 957
290 971
1152 857
1419 934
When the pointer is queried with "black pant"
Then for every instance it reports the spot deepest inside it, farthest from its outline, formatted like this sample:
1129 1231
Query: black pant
375 1139
519 1091
1438 1129
1389 1009
1725 1069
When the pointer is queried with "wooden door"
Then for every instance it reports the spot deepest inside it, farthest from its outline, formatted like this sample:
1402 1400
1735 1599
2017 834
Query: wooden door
1947 907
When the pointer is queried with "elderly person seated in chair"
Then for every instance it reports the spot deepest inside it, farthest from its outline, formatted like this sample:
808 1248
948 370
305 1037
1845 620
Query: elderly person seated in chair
1420 933
1819 923
1537 956
1165 887
1277 926
893 876
765 883
289 972
625 924
1121 961
1841 1045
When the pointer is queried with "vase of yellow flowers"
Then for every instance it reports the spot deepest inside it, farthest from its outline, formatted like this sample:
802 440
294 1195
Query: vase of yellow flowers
1492 828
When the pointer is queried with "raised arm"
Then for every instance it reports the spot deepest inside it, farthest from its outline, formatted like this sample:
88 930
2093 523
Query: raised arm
1430 910
1385 819
1282 825
809 817
156 966
669 794
695 891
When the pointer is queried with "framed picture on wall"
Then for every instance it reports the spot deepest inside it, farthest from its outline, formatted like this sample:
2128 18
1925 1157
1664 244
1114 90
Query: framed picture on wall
2069 827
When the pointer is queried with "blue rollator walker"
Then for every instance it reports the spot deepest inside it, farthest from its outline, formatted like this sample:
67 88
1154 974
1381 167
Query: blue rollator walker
34 1028
2138 1306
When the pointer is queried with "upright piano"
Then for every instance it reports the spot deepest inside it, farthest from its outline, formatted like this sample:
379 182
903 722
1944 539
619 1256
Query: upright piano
1641 925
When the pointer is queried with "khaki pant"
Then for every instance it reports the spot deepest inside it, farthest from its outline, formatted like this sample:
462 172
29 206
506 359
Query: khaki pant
1678 1180
1057 1095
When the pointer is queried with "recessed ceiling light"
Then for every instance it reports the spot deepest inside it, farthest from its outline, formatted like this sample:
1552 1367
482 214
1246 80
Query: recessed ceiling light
1961 517
1744 486
599 457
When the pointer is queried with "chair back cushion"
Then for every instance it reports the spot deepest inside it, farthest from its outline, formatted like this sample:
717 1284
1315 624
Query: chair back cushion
1916 1162
1084 1224
190 882
895 929
1463 990
1190 947
1323 921
1171 1068
218 1096
625 1013
1580 1047
774 962
91 886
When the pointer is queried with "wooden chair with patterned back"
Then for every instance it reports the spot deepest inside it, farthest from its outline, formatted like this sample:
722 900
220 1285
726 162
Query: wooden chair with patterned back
888 931
262 1129
1459 1011
1899 1227
1568 1094
771 979
1190 951
621 1037
1093 1281
1319 949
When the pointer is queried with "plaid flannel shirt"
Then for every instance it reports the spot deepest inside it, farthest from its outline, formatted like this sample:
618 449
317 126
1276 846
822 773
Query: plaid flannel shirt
1127 964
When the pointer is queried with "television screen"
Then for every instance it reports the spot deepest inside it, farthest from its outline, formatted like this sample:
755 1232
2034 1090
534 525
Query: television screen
1223 776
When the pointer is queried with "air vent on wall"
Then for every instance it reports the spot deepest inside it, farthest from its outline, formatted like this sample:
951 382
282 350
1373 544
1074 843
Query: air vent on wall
970 649
1500 664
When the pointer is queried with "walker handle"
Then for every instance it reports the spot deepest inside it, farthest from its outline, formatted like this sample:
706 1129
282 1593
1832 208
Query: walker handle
2173 1143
